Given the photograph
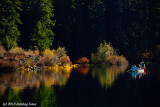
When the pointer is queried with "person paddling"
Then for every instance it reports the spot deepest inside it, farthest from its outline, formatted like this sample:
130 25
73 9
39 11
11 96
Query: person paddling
142 64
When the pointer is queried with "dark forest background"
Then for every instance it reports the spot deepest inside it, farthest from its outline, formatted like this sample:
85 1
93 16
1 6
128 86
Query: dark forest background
130 26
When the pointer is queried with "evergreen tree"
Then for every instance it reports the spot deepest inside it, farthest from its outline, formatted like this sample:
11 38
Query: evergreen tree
65 24
135 19
155 19
43 35
9 20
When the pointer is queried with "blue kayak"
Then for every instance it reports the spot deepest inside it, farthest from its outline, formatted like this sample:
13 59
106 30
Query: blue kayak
133 74
136 69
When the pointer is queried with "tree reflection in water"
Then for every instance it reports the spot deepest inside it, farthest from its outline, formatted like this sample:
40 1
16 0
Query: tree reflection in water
9 96
19 80
42 96
45 96
83 68
36 87
108 74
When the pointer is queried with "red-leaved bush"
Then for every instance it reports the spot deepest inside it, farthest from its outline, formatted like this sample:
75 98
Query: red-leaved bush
8 64
82 60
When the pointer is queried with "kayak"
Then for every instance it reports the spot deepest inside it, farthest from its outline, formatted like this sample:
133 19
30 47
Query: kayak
140 70
137 70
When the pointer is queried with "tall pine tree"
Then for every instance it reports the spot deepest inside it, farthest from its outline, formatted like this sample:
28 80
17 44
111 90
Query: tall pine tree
9 20
43 35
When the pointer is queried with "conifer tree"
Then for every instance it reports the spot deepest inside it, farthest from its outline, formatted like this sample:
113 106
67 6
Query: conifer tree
9 21
43 35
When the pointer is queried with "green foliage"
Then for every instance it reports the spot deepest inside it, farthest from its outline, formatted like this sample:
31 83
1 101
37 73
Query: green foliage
103 52
107 75
45 97
93 9
61 51
9 20
11 96
43 35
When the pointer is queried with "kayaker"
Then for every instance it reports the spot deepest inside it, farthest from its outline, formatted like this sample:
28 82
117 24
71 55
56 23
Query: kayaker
142 64
134 68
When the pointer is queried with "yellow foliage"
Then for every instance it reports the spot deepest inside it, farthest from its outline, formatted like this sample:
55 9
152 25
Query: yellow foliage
47 68
48 54
17 50
107 75
36 52
38 84
50 82
65 60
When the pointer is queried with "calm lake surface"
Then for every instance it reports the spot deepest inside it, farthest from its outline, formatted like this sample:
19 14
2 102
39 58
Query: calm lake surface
85 86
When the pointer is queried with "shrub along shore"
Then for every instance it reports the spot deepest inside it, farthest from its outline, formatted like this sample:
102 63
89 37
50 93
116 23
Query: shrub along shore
18 58
106 54
33 59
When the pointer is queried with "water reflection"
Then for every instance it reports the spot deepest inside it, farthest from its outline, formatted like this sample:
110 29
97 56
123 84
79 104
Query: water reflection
40 97
137 75
19 80
24 88
108 74
9 96
45 96
83 69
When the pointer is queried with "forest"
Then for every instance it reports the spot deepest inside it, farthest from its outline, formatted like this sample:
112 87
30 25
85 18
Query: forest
130 26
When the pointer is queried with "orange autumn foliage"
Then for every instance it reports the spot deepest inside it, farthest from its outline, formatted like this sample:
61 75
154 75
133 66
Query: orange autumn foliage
82 60
147 55
20 56
4 63
114 59
65 60
8 64
31 53
83 70
2 51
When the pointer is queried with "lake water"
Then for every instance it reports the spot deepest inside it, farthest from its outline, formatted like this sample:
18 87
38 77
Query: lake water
85 86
